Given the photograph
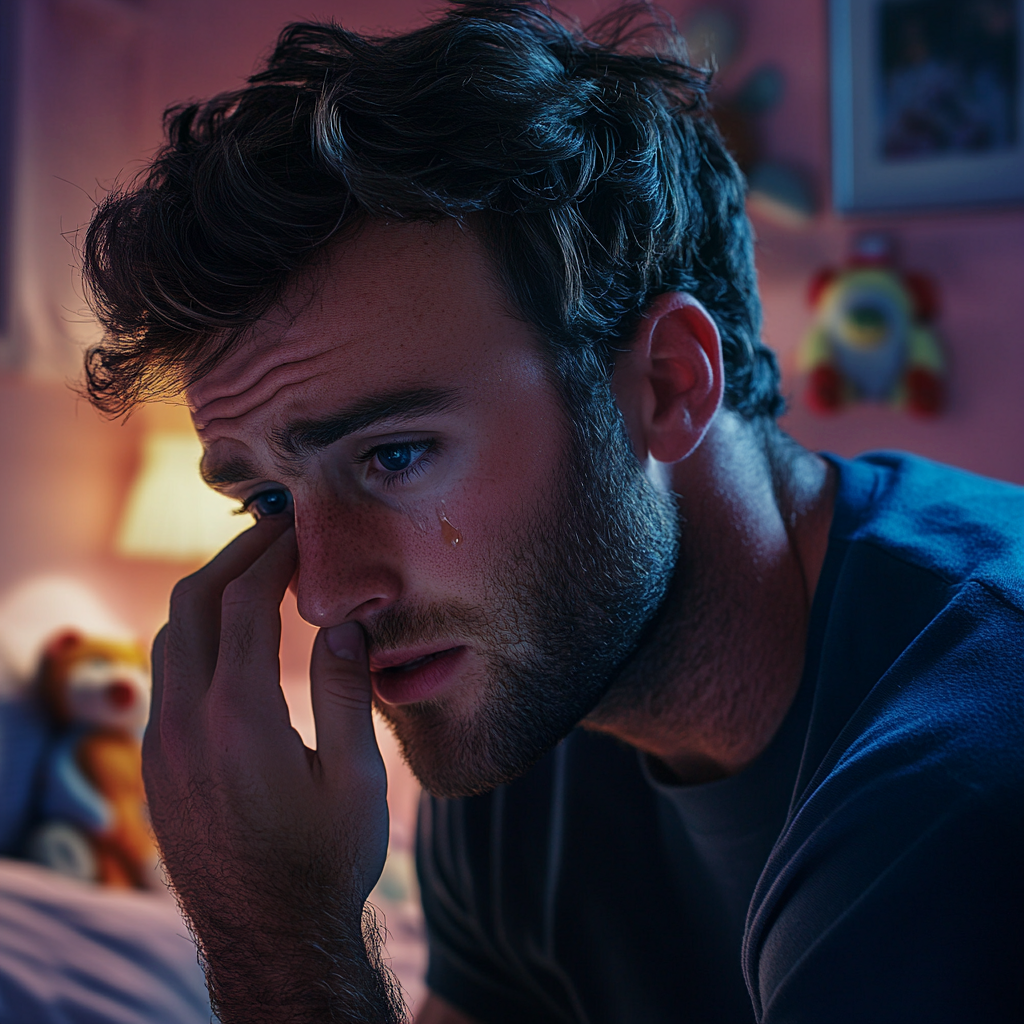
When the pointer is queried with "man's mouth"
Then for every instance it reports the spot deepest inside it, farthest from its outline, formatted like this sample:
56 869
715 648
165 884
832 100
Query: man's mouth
417 678
408 666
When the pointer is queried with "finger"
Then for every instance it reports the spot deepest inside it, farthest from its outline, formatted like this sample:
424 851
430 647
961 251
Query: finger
342 698
193 629
248 672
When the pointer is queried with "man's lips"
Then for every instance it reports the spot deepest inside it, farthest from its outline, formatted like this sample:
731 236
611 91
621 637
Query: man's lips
404 677
404 658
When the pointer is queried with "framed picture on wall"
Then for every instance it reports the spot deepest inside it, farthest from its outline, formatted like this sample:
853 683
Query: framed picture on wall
927 103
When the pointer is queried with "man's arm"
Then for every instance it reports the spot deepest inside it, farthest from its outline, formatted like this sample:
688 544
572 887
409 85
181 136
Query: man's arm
272 848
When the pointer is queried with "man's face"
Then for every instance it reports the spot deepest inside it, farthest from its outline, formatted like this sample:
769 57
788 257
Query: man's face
501 561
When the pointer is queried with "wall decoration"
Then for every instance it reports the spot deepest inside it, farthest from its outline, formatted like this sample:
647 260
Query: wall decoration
927 102
776 189
871 339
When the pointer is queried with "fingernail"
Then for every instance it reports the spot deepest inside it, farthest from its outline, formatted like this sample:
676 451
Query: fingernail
346 641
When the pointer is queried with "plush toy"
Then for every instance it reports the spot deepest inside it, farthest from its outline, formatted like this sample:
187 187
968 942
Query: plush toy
871 340
94 822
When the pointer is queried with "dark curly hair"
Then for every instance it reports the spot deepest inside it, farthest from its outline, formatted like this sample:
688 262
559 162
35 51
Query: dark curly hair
587 161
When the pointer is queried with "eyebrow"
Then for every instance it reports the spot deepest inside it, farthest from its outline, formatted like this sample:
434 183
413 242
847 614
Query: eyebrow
303 438
233 470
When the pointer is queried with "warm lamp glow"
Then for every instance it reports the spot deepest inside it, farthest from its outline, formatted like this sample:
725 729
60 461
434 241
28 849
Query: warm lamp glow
171 514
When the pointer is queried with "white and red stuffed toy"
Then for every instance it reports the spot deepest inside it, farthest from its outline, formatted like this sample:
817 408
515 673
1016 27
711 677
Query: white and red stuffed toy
871 339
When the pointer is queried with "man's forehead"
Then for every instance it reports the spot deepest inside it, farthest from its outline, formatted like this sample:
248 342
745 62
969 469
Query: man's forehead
398 284
255 370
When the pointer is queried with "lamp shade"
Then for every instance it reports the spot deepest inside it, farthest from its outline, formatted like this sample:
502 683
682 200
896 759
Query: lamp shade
171 515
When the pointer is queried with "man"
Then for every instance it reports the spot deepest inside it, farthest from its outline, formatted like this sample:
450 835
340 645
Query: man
467 320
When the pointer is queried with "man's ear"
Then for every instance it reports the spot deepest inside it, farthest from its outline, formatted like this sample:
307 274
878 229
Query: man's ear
669 384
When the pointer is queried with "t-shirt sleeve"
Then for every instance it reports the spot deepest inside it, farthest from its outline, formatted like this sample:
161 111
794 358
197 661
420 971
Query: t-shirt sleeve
896 891
930 936
470 965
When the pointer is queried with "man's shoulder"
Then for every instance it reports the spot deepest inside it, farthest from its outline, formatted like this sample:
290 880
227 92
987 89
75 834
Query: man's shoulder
921 623
950 704
920 615
896 879
897 874
946 521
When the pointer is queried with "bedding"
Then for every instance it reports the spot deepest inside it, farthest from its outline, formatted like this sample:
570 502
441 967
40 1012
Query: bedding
75 953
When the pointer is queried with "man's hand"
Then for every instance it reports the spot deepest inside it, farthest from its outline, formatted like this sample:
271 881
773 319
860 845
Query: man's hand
271 847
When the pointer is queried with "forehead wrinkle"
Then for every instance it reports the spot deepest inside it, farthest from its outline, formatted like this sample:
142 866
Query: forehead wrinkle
302 438
251 397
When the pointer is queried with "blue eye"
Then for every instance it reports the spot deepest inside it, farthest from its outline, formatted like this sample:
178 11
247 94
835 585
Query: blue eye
268 503
398 462
396 458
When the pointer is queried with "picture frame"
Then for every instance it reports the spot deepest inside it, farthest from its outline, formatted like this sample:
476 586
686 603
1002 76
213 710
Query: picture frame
927 103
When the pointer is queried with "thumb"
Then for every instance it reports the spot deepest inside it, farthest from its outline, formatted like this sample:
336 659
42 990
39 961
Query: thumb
341 693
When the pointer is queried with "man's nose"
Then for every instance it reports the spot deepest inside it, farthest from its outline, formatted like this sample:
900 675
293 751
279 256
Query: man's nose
348 566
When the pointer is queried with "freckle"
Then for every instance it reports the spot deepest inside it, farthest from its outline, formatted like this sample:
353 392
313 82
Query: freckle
449 534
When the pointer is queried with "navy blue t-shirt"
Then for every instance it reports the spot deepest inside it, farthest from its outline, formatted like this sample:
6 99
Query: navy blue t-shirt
869 866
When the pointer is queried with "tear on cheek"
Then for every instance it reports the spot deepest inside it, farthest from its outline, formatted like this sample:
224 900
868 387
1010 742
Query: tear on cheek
450 535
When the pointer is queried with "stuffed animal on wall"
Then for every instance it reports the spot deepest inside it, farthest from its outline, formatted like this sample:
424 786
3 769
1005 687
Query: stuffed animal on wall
94 822
871 339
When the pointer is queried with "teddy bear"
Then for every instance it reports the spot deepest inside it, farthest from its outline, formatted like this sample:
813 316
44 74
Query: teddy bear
94 822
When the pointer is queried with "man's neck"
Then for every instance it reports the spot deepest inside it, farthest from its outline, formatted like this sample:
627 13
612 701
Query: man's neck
719 667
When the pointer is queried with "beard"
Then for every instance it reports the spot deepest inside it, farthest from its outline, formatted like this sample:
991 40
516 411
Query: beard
564 607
